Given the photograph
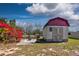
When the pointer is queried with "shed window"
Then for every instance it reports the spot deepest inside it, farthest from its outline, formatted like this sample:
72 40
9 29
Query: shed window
50 29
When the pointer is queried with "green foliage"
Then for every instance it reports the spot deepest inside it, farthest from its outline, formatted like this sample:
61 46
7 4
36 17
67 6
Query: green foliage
37 31
1 30
3 19
3 35
12 23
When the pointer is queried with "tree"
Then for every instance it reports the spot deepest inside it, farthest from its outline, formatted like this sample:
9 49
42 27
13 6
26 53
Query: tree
38 26
3 19
37 31
29 28
3 35
13 23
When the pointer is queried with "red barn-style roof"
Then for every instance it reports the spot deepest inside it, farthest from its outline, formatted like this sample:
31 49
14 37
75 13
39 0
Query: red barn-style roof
57 22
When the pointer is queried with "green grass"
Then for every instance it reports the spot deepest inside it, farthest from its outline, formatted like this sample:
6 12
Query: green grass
36 49
71 42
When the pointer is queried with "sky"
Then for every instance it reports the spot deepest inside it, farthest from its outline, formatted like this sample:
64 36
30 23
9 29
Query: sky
40 13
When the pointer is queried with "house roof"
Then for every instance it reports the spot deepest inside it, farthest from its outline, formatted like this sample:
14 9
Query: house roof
58 21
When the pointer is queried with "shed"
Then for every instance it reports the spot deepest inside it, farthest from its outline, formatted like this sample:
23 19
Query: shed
56 30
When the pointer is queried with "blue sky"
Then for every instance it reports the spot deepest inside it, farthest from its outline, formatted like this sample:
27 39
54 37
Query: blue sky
17 11
40 13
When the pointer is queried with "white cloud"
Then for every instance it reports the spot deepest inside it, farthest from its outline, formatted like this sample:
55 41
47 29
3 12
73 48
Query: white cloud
37 8
55 10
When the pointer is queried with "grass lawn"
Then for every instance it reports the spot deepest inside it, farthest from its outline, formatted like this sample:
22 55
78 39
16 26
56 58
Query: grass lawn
69 48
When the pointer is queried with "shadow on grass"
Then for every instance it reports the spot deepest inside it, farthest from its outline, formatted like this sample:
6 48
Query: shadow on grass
73 38
44 41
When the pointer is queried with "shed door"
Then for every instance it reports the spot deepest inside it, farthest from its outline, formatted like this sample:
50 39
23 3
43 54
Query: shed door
60 33
57 33
54 34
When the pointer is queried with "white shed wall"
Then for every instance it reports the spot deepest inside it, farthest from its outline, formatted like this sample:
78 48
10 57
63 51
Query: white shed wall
48 35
